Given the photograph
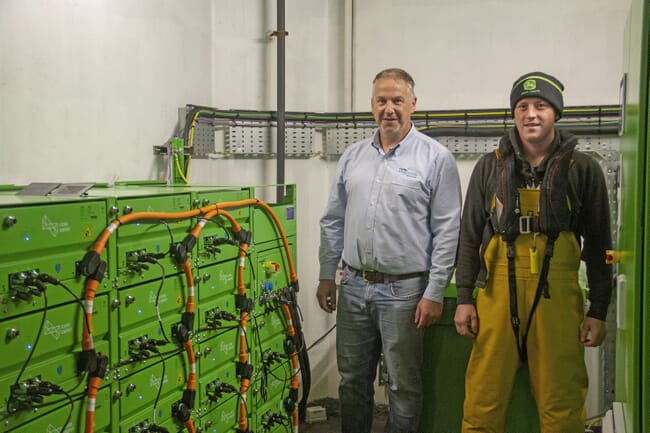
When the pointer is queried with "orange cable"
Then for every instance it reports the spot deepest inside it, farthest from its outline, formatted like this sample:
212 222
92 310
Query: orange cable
208 212
187 268
278 225
90 290
243 423
276 220
93 388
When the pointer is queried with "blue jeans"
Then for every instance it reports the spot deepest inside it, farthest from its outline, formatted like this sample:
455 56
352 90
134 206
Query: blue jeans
371 318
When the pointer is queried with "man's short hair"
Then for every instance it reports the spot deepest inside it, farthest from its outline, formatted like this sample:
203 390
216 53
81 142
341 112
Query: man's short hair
399 74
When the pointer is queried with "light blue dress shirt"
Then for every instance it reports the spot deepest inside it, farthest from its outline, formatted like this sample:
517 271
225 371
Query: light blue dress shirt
396 212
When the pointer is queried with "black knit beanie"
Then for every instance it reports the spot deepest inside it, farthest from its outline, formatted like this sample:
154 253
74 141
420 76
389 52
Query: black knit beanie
538 85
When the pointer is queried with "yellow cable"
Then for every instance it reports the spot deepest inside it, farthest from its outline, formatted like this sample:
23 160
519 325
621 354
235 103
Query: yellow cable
186 175
196 115
180 170
593 422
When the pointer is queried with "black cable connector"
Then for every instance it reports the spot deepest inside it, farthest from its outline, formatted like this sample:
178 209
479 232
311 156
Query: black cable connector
151 257
35 291
181 251
23 296
180 332
30 393
91 266
100 272
226 387
271 419
88 361
242 303
214 317
46 278
37 286
88 265
189 242
181 412
178 252
215 390
45 388
189 398
228 316
244 370
244 236
102 366
138 267
289 345
187 319
291 400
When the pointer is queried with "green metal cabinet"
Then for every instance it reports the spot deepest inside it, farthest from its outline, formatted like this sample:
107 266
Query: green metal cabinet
445 358
633 327
137 308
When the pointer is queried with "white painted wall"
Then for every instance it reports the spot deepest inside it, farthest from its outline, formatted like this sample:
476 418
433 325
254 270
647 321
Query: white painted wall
466 54
87 87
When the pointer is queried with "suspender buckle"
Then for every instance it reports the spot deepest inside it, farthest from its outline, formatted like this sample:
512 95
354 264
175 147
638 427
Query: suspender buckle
526 224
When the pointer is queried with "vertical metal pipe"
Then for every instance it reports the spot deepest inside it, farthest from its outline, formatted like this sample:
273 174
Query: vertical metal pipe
281 34
352 55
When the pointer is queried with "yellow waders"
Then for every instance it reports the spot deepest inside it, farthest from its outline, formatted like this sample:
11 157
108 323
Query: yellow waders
558 375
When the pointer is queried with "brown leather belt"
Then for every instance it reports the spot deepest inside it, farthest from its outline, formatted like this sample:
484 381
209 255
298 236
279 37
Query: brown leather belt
377 277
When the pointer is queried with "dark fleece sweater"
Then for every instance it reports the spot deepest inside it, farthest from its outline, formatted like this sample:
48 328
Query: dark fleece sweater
592 228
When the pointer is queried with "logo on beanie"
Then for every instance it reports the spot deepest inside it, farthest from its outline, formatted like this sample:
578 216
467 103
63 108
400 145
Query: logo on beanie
530 85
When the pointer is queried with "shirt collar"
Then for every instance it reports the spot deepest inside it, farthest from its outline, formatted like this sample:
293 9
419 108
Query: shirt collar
375 140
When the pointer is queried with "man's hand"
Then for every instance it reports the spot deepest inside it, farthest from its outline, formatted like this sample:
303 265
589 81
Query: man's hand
427 313
326 295
593 332
466 320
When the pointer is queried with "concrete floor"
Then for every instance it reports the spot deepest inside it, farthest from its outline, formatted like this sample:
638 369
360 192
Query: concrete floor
333 422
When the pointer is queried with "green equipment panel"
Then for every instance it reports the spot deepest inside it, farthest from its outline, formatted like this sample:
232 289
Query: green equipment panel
264 230
217 242
445 357
146 302
632 301
43 236
220 279
270 415
62 416
221 418
164 377
151 418
136 334
219 351
149 236
272 268
43 347
217 385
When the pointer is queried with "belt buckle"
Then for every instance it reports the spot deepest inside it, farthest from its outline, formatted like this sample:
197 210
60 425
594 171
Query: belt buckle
369 276
526 223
